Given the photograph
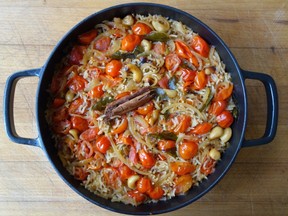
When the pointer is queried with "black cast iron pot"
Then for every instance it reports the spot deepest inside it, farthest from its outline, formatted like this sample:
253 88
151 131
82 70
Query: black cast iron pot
44 139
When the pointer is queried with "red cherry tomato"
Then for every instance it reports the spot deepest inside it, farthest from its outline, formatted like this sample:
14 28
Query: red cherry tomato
183 184
188 149
202 128
77 83
164 145
79 123
140 28
225 119
200 46
156 193
103 43
96 92
87 37
200 80
182 167
103 144
76 55
172 62
217 107
147 159
223 91
113 68
130 42
144 184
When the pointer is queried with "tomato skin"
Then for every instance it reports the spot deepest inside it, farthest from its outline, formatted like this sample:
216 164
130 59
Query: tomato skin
77 83
130 42
208 166
182 167
125 172
145 109
103 144
74 106
200 46
223 92
188 75
164 145
103 43
85 150
89 134
163 82
225 119
183 51
147 159
79 123
184 124
96 92
113 68
188 149
217 107
133 157
172 62
121 128
144 184
202 128
200 80
76 55
87 37
137 196
156 193
183 184
140 28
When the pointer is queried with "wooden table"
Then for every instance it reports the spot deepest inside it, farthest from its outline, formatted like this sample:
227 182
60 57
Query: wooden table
257 33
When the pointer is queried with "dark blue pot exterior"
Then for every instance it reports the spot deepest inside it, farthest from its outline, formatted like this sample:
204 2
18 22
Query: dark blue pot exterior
45 139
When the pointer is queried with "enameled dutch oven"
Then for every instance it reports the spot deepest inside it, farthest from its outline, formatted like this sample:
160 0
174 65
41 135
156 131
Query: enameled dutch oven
44 139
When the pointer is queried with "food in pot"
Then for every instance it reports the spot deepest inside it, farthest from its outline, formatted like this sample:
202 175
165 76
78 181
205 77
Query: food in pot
141 109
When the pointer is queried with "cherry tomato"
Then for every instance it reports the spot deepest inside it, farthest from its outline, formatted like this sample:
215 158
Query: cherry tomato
183 184
183 51
113 68
130 42
225 119
172 62
188 149
140 28
147 159
79 123
217 107
208 166
90 134
103 144
223 91
125 172
77 83
182 167
96 92
121 128
121 95
75 105
156 193
76 55
164 145
200 80
144 184
202 128
102 43
84 150
57 102
160 48
184 123
188 75
137 196
145 109
126 139
87 37
200 46
163 82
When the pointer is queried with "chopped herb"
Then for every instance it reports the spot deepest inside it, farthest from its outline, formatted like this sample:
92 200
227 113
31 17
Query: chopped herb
102 103
157 36
164 135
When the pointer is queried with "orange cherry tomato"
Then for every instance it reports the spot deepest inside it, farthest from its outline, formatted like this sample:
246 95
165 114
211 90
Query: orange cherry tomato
103 43
125 172
89 134
145 109
156 193
182 167
57 102
113 68
184 123
202 128
87 37
76 55
85 150
137 196
183 51
77 83
172 62
183 184
223 92
103 144
130 42
121 128
217 107
140 28
96 92
79 123
200 80
147 159
144 184
75 105
188 75
164 145
125 139
121 95
163 82
188 149
225 119
200 46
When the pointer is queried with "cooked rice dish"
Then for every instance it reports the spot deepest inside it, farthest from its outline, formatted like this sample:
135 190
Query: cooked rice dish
141 109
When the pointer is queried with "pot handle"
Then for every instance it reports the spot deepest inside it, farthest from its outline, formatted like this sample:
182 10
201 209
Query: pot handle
8 107
272 108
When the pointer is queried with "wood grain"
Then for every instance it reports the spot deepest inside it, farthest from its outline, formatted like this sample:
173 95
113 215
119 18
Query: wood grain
256 32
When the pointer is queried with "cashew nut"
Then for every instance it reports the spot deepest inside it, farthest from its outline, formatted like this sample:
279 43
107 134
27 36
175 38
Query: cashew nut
161 24
131 182
154 117
214 154
137 73
171 93
69 96
74 133
128 20
215 133
226 135
146 45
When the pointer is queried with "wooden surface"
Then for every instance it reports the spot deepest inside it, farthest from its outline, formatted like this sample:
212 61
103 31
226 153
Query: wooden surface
257 33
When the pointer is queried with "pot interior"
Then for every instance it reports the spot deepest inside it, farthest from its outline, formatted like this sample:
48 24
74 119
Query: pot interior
239 95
